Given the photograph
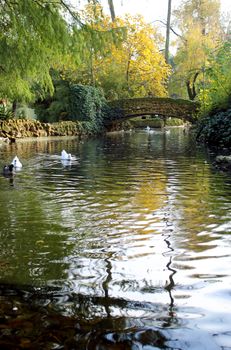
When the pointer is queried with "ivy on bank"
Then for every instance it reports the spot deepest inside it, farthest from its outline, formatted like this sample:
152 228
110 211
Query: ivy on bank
85 104
215 130
88 105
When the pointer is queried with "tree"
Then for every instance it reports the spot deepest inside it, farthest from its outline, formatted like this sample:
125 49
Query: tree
168 32
112 10
216 93
36 36
138 63
96 42
33 34
199 22
132 67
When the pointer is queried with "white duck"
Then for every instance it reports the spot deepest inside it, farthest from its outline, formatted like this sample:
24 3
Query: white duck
148 129
16 162
65 155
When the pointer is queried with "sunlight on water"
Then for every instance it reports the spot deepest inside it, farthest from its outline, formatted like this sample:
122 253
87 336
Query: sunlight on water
137 226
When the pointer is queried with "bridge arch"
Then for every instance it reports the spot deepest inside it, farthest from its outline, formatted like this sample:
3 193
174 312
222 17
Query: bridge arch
159 106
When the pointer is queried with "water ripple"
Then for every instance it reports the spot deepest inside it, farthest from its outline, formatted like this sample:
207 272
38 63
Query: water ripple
138 220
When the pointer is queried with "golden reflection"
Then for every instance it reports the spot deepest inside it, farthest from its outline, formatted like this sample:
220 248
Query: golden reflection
195 203
152 192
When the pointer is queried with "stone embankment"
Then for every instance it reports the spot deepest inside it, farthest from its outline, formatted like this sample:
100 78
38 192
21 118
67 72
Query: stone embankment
14 129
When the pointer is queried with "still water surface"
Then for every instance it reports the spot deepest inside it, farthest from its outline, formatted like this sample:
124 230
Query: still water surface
132 238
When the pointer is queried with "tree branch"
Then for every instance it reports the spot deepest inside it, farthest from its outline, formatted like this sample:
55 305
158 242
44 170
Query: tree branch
164 23
73 15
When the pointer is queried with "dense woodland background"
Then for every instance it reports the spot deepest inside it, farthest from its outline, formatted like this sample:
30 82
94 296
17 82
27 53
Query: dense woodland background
54 55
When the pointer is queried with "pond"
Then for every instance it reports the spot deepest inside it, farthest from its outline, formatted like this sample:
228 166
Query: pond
125 247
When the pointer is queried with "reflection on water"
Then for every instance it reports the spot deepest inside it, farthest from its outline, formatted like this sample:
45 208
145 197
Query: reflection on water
130 240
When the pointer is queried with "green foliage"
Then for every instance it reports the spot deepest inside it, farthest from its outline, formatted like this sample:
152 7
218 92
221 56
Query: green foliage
155 122
199 22
59 107
5 113
21 115
33 34
217 89
174 122
216 129
215 96
75 103
56 107
37 35
88 104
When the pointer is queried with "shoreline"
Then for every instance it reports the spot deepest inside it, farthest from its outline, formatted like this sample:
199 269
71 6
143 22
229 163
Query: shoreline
13 130
41 138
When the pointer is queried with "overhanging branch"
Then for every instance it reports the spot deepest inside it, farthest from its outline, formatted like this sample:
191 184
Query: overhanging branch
164 23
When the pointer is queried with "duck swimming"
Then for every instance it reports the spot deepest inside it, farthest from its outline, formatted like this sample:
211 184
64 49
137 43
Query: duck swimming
65 155
8 169
148 128
16 162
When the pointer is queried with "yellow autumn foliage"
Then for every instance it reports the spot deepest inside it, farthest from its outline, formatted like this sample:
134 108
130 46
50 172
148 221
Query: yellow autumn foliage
131 67
201 34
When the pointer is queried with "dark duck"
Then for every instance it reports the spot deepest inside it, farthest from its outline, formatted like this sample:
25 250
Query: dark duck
8 170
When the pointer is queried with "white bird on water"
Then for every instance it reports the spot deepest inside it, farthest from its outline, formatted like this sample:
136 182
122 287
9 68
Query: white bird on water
65 155
16 162
148 128
149 131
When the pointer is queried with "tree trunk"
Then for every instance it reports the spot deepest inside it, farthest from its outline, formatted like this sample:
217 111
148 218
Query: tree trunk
128 71
14 107
191 88
167 40
112 10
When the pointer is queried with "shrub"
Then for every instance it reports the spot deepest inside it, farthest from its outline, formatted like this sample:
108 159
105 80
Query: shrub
5 113
74 103
216 129
88 105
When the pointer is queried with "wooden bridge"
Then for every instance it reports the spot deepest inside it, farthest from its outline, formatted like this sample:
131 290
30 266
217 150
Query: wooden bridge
157 106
